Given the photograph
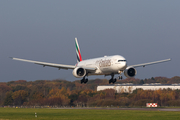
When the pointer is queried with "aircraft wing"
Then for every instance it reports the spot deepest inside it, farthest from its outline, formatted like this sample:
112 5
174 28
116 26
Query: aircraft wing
150 63
60 66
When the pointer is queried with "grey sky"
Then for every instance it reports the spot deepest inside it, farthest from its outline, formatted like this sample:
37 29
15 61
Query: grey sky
44 30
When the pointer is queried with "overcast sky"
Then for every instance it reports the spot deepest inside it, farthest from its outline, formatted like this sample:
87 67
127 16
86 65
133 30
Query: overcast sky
44 30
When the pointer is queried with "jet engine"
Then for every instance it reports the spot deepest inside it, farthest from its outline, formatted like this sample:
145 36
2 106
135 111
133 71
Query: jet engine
130 72
79 72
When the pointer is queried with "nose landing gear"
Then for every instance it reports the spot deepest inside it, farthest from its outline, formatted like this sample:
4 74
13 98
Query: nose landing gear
120 77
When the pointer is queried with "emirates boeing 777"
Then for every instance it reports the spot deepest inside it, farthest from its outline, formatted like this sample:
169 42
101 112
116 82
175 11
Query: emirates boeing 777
107 65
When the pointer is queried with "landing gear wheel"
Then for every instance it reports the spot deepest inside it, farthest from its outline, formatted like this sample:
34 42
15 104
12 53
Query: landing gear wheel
110 81
86 80
114 81
120 77
82 81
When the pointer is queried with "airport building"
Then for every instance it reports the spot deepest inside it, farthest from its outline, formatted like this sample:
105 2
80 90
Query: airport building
129 87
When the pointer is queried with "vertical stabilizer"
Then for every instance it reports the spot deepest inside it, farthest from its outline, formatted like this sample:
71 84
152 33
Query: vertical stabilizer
78 53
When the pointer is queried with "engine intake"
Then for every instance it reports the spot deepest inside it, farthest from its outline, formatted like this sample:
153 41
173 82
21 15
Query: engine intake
130 72
79 72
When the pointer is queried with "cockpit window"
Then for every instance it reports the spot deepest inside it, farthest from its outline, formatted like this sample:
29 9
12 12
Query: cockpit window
121 60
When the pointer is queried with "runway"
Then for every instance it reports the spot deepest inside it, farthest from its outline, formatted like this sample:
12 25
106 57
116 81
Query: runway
141 109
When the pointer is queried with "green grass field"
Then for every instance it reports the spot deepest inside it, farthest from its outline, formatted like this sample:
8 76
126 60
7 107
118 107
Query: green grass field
85 114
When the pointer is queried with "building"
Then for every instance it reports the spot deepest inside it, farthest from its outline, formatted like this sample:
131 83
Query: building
129 87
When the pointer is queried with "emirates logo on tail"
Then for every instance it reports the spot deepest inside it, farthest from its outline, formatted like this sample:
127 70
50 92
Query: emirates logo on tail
78 53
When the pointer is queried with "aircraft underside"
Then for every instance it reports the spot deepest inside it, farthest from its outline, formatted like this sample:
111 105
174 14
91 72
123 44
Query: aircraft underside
112 80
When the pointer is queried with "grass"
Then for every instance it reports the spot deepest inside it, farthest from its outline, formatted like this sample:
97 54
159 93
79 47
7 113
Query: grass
85 114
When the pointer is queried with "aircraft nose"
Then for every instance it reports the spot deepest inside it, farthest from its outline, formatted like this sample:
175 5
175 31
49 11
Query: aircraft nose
124 65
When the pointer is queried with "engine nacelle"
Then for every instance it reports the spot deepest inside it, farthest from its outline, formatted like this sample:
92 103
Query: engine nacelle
130 72
79 72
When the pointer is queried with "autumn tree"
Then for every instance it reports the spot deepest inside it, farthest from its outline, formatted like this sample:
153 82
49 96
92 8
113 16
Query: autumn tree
8 99
3 89
19 97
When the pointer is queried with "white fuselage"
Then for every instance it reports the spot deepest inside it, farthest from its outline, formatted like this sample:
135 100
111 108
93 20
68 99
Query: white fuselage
105 65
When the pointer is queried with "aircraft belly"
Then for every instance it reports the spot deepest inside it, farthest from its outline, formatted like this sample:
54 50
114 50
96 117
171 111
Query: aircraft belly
103 71
107 70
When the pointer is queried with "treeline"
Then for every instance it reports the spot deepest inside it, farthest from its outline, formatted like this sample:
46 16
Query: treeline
66 93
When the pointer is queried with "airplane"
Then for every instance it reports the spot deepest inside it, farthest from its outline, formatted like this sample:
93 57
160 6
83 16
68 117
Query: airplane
107 65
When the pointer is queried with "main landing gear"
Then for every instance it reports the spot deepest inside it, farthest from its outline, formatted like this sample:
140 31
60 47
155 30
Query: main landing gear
113 80
84 80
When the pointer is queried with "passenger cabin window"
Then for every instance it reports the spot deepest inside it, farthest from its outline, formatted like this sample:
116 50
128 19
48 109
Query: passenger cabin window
121 60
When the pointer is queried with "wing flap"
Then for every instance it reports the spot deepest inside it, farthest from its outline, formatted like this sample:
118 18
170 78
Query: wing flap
150 63
60 66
